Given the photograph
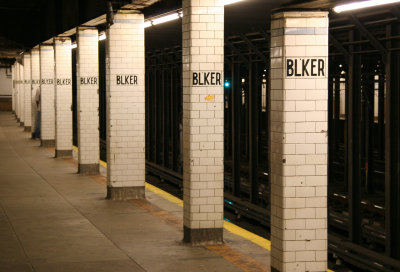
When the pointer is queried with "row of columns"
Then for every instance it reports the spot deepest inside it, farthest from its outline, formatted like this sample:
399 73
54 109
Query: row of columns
298 121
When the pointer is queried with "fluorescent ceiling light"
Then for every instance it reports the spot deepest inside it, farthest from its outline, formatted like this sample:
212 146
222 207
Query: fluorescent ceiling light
147 24
176 15
364 4
74 45
102 37
228 2
166 18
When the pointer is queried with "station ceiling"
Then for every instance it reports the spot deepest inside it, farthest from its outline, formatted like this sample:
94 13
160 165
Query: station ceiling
26 23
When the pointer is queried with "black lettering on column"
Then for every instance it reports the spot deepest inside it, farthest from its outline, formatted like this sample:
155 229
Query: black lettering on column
118 80
304 69
295 68
218 82
321 67
313 66
135 80
206 75
289 67
195 79
212 78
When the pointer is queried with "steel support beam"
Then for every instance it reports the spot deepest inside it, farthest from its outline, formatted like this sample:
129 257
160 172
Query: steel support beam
237 52
254 109
340 47
353 101
254 48
364 31
236 145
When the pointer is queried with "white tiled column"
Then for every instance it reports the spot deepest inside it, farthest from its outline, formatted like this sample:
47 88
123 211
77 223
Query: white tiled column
13 87
299 100
35 83
17 83
21 91
16 78
203 120
63 84
88 100
125 62
27 91
47 107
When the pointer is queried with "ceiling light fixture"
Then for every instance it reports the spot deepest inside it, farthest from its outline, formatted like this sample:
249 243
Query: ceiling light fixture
166 18
228 2
147 24
176 15
364 4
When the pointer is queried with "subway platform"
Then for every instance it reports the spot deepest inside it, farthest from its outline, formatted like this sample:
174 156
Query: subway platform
53 219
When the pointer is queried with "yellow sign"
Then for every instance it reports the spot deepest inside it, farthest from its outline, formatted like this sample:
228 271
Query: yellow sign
209 98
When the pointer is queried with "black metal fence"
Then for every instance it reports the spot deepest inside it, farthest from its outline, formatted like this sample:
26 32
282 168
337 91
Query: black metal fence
363 140
164 114
246 125
102 101
74 100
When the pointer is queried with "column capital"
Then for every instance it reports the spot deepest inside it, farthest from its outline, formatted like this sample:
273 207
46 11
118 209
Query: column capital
83 28
61 39
127 11
45 45
298 13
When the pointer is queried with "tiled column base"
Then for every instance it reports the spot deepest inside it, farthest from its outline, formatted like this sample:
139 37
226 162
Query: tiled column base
210 236
90 169
125 193
47 143
63 153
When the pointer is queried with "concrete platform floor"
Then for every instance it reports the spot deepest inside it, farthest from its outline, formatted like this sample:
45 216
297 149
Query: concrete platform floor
52 219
